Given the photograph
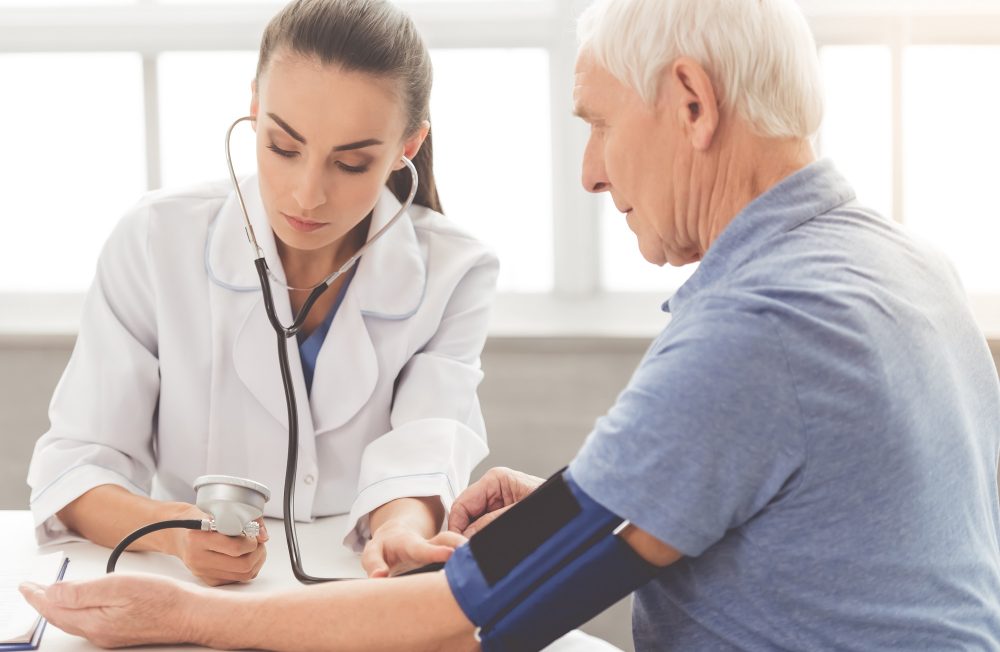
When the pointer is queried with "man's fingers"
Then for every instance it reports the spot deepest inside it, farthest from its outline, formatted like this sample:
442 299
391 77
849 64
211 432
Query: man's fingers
483 521
81 595
61 617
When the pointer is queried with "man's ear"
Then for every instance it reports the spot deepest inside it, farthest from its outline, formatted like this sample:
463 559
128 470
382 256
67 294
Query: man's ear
687 92
414 143
254 103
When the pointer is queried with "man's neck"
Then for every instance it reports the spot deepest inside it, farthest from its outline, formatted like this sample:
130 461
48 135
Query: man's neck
748 167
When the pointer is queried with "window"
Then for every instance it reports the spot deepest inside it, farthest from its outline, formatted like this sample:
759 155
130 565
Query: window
71 165
951 110
172 74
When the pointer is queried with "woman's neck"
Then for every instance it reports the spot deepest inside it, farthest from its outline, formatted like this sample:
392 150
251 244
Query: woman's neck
305 268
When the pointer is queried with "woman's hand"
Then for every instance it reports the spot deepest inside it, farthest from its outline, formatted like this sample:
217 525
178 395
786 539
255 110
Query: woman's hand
117 610
396 548
217 559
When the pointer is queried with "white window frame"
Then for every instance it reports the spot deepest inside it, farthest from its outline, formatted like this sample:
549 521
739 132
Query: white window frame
577 306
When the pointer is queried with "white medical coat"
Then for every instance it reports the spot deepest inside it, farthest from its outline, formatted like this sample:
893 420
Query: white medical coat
175 374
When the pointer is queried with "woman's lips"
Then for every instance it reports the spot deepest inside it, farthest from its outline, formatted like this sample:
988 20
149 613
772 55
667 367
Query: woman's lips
304 226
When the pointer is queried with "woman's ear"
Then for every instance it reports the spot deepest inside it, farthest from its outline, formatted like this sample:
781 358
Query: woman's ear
413 144
254 104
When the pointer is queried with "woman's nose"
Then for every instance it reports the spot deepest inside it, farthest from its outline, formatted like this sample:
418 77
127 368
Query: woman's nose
309 191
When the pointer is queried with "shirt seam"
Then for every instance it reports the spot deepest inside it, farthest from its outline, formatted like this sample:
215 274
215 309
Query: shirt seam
451 489
70 470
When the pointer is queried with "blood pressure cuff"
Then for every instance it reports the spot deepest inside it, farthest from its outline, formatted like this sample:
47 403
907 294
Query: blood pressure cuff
549 564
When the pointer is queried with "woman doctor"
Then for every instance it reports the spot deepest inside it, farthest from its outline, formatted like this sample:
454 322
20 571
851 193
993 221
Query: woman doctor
174 373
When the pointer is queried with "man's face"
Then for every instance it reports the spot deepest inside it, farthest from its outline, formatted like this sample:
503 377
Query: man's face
642 156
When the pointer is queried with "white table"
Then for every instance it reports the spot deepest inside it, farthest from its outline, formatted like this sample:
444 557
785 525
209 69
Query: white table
322 554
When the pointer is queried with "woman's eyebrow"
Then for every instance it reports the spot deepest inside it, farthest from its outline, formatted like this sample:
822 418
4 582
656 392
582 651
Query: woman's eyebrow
284 125
368 142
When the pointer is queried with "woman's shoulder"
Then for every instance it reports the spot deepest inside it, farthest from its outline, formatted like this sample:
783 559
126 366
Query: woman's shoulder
192 201
432 226
165 219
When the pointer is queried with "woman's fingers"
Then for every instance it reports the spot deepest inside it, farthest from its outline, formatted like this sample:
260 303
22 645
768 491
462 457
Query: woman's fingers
373 560
208 564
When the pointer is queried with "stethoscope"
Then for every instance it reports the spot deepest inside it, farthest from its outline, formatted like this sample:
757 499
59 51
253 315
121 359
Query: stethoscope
233 503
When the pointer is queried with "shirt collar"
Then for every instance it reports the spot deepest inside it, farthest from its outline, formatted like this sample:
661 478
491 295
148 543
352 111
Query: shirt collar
808 193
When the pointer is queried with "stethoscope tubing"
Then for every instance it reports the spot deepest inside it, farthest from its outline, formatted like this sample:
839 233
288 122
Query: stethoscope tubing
284 333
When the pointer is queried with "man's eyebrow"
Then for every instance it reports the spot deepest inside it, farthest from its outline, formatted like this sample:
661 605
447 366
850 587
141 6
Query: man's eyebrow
368 142
583 113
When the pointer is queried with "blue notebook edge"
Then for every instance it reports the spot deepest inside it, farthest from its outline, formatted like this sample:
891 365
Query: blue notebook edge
36 640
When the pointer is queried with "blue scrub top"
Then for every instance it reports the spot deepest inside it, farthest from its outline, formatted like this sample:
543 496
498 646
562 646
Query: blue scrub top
309 347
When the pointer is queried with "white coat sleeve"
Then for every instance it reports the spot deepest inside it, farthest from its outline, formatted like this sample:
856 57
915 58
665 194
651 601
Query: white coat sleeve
438 435
102 411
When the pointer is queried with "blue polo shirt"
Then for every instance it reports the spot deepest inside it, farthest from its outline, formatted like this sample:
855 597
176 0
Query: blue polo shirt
817 431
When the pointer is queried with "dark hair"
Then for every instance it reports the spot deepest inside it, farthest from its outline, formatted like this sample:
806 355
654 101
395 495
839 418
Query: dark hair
368 36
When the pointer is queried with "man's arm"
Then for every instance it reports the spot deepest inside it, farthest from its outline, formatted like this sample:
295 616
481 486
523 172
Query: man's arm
407 613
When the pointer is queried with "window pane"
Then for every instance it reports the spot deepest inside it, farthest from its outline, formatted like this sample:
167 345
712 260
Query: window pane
952 136
623 269
201 93
72 161
61 3
490 113
857 127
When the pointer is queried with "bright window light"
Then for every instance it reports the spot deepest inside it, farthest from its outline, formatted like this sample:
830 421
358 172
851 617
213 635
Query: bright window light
623 269
490 117
952 136
201 93
857 124
62 3
72 162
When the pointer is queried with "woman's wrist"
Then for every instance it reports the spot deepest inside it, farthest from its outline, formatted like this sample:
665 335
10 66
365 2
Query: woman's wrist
421 515
170 541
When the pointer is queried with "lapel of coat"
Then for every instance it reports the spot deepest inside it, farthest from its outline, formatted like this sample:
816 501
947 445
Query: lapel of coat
241 316
388 285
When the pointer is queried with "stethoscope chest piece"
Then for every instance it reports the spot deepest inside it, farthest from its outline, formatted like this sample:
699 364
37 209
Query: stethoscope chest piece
234 503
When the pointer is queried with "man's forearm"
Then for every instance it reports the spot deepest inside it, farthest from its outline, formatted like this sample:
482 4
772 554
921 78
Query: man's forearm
407 613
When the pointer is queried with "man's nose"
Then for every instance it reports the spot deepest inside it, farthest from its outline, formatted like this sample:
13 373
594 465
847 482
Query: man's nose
595 178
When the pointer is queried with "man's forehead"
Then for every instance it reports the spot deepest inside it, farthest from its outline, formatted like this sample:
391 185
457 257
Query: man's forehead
583 79
592 83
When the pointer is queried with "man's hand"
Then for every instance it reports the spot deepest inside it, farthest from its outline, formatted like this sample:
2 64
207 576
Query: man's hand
395 549
215 558
488 498
116 610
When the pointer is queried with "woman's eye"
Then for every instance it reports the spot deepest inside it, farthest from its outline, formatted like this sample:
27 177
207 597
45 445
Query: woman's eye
281 152
361 169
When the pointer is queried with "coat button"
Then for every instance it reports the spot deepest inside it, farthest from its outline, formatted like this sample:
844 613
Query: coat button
309 479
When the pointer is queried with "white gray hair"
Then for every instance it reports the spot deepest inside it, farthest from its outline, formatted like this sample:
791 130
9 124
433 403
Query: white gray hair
760 54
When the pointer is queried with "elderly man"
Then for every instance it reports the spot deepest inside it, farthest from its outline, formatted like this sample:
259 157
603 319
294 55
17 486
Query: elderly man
806 457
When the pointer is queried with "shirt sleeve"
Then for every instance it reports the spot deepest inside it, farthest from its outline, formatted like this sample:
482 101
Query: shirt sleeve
438 435
706 434
101 413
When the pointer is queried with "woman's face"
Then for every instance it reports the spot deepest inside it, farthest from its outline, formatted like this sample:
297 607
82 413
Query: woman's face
327 141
